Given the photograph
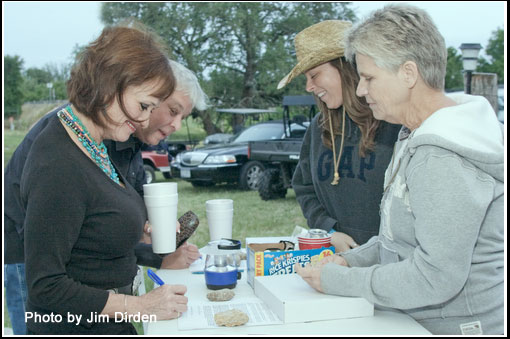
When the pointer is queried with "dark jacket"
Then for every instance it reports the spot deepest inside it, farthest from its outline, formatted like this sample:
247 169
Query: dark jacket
125 155
80 232
352 206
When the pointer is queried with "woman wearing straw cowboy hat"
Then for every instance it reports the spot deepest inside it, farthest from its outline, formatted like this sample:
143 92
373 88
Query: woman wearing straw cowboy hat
339 178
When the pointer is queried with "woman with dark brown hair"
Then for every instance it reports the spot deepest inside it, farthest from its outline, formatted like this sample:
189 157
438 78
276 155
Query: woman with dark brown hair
339 178
83 218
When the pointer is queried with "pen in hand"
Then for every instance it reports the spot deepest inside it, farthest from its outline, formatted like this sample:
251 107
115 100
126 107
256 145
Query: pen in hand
153 276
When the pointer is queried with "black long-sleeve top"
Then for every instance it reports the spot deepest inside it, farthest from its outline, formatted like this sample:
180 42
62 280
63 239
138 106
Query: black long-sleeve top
352 206
80 232
125 155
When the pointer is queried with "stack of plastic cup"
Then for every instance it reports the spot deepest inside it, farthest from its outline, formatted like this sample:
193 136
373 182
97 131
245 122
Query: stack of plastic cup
220 213
161 202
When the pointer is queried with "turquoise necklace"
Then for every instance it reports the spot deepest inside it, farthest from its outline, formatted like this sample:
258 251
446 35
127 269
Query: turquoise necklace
99 153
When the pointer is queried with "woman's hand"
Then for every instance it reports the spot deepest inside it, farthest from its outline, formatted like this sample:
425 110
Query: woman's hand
183 257
146 236
335 259
342 242
166 302
310 274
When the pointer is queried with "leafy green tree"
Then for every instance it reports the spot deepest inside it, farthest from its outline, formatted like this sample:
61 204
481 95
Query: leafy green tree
40 76
13 96
496 51
189 30
34 91
454 70
241 50
36 79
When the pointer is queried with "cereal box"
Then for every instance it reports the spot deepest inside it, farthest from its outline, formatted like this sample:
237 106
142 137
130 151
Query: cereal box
264 262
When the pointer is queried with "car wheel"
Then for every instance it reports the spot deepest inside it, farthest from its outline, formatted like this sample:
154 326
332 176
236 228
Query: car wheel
167 175
271 185
250 175
150 174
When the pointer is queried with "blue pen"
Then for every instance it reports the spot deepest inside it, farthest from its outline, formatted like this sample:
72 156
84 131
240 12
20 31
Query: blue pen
153 276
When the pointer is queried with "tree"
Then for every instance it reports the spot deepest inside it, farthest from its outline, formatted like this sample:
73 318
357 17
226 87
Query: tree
13 96
188 30
496 52
35 82
454 77
262 35
240 50
40 76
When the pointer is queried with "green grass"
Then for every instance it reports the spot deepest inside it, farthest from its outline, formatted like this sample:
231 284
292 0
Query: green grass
252 216
196 131
11 140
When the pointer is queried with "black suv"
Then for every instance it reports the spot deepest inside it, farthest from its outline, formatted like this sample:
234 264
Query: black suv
281 156
228 162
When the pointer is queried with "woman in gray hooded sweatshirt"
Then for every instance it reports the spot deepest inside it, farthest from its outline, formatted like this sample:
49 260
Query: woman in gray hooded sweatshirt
439 255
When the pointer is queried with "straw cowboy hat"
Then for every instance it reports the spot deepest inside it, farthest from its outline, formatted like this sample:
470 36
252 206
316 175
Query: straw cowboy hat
316 45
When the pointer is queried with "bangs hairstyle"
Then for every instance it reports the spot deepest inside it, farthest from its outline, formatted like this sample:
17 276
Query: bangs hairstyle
398 33
356 107
120 57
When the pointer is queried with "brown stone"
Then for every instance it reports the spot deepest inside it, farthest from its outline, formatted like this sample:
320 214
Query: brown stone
231 318
221 295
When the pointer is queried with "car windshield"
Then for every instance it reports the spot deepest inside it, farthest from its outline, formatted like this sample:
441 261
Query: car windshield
260 132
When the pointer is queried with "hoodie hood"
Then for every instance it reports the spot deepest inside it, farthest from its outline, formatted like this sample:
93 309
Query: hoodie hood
470 129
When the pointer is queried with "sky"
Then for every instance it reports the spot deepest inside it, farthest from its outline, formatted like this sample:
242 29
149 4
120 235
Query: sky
46 32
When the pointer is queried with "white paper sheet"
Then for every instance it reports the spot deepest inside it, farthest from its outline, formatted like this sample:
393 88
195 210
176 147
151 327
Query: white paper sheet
201 315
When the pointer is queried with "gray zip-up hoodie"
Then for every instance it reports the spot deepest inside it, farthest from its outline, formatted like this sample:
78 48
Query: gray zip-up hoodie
439 255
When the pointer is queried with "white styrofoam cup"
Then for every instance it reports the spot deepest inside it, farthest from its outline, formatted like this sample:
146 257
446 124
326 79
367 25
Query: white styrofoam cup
220 223
160 188
162 213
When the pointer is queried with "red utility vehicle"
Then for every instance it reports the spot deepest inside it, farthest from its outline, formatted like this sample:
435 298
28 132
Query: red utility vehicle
156 161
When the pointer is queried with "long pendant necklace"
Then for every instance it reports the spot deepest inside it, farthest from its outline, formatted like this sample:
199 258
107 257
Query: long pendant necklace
99 153
336 161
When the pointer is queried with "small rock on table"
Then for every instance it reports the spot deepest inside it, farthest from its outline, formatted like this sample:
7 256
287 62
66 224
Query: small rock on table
231 318
221 295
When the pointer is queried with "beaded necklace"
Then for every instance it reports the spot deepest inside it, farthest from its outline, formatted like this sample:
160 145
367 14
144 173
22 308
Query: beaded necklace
99 153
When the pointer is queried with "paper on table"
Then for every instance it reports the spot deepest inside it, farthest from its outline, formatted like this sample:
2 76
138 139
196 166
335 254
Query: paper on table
201 315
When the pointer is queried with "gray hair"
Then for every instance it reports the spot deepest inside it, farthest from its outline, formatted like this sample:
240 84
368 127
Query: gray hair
398 33
187 82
